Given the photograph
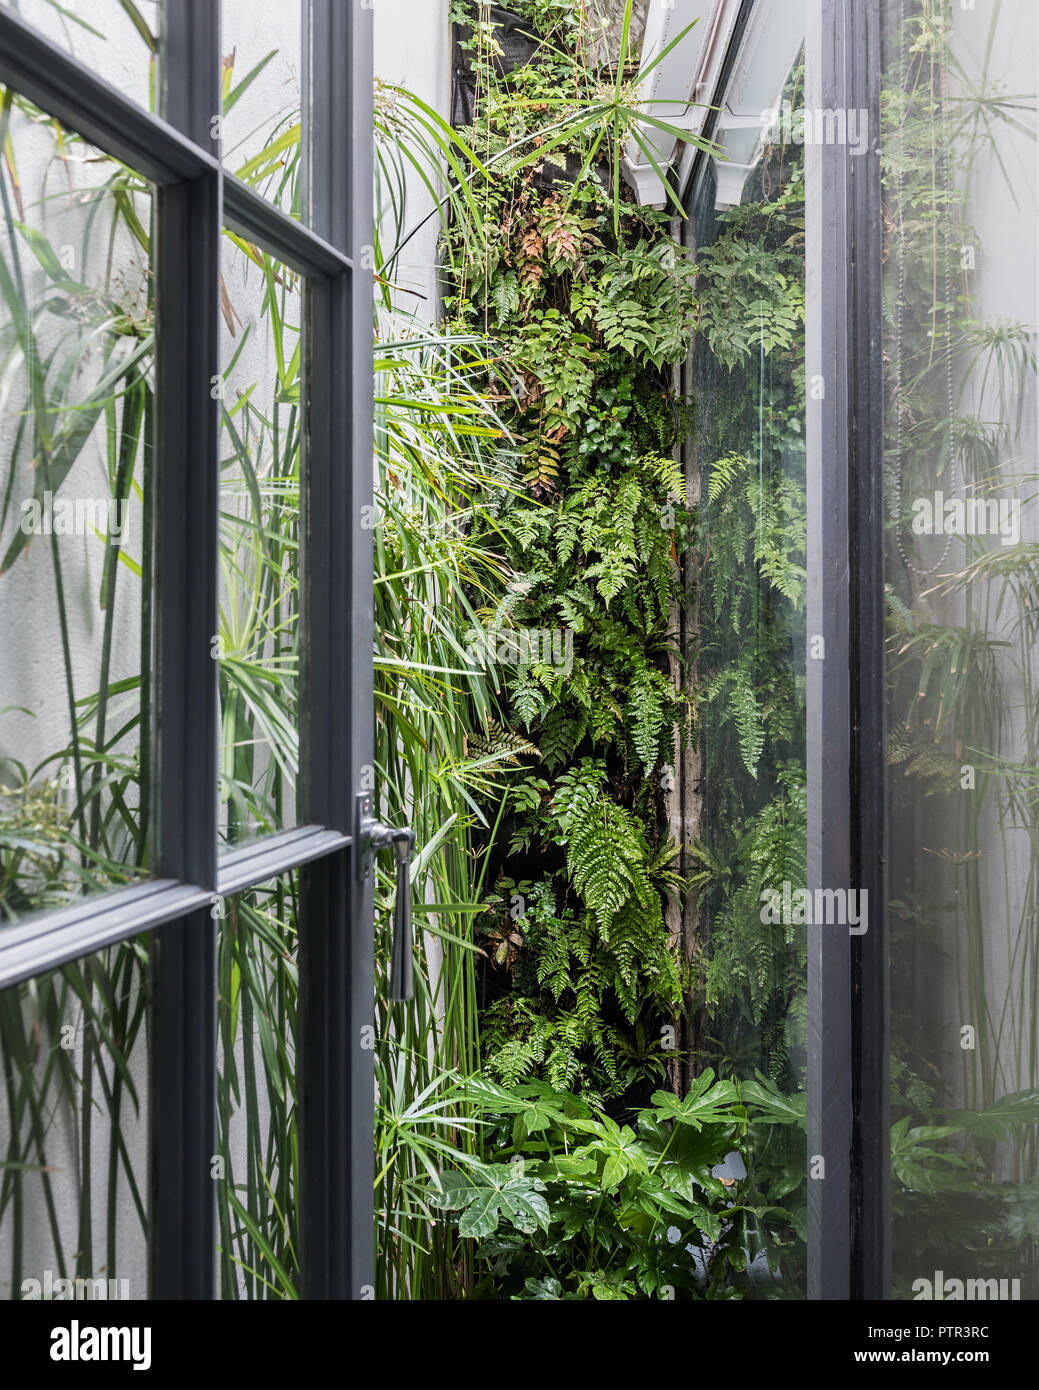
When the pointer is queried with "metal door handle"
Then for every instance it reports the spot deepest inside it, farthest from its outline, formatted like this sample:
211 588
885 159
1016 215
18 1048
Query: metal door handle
402 975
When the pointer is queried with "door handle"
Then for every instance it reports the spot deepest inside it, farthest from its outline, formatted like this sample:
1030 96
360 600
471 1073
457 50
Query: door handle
402 976
376 836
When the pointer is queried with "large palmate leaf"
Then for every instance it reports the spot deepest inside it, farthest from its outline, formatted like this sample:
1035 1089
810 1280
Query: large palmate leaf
705 1103
1001 1120
918 1165
488 1193
685 1157
769 1104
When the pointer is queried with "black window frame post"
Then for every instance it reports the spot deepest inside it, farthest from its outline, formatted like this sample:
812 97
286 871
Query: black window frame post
183 1109
848 1064
870 1005
180 153
337 988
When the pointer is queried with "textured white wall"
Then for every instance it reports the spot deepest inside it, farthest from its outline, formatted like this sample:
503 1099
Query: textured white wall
413 50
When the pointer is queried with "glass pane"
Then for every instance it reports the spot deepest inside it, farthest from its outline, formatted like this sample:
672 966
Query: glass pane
262 91
746 462
116 39
259 1151
258 638
76 393
74 1130
959 162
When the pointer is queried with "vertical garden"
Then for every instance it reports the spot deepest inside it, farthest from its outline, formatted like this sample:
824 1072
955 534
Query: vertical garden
601 1024
590 525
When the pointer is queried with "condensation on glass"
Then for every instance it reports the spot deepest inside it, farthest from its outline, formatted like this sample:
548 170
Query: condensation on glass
77 338
962 555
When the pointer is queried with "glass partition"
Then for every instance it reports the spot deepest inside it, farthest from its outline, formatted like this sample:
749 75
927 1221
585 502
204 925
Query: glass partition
745 924
75 1052
119 40
257 646
959 227
263 84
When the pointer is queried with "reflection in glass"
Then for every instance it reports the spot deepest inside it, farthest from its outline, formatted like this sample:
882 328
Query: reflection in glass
262 92
76 392
119 40
257 1191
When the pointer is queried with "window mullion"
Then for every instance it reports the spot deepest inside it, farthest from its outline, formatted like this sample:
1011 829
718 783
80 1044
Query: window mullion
184 1130
336 970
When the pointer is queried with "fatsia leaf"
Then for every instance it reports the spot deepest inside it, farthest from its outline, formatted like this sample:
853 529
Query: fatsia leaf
706 1103
489 1193
998 1121
770 1105
919 1166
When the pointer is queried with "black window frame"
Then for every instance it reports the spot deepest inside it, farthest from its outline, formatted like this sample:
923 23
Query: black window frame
179 152
849 1214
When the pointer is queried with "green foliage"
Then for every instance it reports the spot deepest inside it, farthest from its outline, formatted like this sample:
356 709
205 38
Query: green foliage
579 990
763 964
589 301
606 850
584 1207
643 301
961 636
489 1193
753 531
752 287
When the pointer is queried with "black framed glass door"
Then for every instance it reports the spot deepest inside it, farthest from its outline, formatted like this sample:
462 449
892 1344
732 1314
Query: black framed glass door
187 438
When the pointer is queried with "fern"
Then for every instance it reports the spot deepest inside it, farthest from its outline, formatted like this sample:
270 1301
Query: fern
505 295
585 320
606 848
734 688
651 702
